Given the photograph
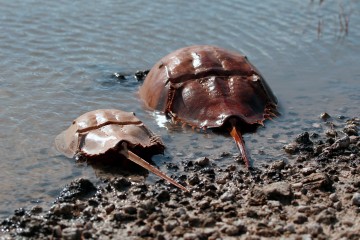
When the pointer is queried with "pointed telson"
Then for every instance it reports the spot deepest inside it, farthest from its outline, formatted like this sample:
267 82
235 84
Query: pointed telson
237 136
138 160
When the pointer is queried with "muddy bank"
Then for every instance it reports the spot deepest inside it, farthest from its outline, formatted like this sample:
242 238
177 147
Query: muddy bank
316 194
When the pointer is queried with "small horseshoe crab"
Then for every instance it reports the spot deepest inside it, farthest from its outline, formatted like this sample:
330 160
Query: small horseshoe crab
210 87
111 133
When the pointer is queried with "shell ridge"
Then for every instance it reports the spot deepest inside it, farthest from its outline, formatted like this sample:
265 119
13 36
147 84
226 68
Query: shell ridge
109 123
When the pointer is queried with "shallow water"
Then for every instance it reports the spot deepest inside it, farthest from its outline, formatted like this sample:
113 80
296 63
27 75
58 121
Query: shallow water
57 58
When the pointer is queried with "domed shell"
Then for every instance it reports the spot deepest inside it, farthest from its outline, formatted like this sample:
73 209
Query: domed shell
205 85
96 132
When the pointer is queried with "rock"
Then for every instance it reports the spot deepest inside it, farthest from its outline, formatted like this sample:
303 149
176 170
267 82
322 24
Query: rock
341 143
191 236
355 200
317 181
334 197
71 234
303 138
227 196
193 180
307 170
280 191
338 205
79 188
64 209
203 161
291 148
257 197
130 209
141 75
36 210
304 209
143 231
314 229
300 218
204 204
121 184
163 196
278 165
109 208
327 217
351 130
232 230
171 224
325 116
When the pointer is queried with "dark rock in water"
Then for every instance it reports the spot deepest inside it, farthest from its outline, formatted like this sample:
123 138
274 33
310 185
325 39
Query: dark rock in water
141 75
203 161
325 116
19 212
119 76
79 188
303 138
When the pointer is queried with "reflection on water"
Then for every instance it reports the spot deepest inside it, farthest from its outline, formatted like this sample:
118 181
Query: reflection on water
58 57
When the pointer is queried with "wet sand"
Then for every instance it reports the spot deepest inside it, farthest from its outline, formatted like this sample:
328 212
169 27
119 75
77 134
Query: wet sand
315 196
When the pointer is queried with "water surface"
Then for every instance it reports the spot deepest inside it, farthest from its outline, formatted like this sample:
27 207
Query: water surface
57 58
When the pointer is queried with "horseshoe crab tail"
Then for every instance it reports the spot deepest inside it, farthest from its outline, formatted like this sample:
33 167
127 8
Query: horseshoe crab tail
237 136
138 160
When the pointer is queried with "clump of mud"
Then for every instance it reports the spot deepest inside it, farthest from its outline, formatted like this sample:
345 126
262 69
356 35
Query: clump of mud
315 196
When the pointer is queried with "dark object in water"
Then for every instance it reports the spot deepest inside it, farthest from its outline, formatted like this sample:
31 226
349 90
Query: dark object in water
101 133
210 87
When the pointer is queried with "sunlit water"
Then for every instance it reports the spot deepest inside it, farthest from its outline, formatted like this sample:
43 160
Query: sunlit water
57 58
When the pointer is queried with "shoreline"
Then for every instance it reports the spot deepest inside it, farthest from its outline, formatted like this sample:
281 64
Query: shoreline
317 195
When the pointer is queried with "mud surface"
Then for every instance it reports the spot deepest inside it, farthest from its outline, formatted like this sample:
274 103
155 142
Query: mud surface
318 196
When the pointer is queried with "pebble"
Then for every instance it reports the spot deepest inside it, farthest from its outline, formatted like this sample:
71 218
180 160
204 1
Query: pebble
278 165
355 200
334 197
327 217
341 143
325 116
291 148
71 234
121 183
170 225
317 181
204 204
307 170
338 205
227 196
203 161
163 196
280 191
194 180
303 209
130 209
300 218
314 229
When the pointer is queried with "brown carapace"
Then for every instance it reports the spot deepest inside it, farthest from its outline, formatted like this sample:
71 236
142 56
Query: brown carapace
210 87
101 133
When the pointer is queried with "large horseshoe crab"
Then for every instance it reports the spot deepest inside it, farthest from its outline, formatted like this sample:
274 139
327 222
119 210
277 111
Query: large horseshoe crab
105 133
210 87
